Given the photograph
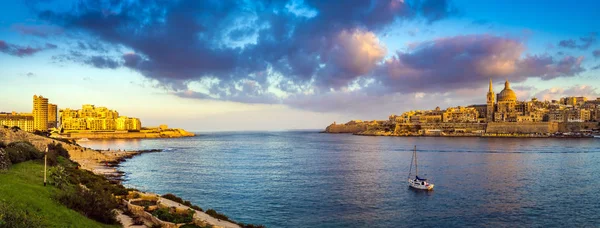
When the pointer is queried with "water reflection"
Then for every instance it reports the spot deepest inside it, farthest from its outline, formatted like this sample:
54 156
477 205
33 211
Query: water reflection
291 179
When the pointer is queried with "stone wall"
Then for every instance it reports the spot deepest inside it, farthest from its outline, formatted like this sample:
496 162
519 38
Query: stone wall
575 127
346 128
520 127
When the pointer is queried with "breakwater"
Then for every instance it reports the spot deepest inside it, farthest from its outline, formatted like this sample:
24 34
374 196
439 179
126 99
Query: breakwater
494 129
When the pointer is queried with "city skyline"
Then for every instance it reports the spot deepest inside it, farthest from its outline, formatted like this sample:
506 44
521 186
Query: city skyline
292 64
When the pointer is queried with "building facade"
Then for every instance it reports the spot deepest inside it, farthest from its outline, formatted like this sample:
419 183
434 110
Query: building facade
23 120
52 116
94 118
40 113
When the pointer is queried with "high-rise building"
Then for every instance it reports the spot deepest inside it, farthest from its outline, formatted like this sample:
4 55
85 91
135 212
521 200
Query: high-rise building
40 113
52 116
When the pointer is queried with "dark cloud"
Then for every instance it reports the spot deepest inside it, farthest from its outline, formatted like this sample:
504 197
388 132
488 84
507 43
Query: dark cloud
188 40
468 62
596 67
23 51
596 53
584 42
102 62
38 30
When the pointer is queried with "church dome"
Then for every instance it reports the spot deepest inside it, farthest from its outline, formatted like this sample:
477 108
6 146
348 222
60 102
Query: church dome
507 94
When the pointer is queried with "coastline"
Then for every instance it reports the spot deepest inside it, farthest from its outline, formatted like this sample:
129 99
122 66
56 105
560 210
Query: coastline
142 134
104 163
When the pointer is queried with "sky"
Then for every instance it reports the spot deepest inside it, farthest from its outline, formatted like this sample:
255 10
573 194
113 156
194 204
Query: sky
251 65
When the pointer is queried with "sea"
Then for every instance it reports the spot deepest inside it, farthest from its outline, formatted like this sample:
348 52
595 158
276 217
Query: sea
311 179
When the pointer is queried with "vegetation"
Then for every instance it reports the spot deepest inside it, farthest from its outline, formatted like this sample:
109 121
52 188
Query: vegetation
166 215
172 197
22 190
217 215
22 151
144 203
11 216
15 128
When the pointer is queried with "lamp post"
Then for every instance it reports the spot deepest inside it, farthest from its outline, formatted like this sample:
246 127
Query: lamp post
45 162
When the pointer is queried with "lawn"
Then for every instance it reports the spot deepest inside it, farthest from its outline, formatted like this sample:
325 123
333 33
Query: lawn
22 186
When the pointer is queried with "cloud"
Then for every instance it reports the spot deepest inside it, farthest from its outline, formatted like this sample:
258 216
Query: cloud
23 51
38 30
188 40
596 53
596 67
468 62
102 62
584 42
556 93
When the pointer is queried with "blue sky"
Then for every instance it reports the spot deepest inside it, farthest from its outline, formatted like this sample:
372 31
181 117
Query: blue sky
291 64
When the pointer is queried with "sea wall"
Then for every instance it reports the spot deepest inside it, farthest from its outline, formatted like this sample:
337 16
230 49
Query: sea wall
575 127
346 128
172 133
521 127
467 127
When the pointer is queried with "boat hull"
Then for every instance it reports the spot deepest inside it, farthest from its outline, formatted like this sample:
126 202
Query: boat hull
418 185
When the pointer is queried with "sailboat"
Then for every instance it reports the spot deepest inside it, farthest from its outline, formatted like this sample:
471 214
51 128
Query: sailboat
417 182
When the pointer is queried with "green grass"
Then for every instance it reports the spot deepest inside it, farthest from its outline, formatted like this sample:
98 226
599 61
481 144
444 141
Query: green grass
22 186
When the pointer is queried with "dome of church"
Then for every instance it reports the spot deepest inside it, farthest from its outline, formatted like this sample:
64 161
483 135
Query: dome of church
507 94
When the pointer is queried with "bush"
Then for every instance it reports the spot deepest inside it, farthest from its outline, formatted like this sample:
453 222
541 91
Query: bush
42 133
165 215
11 216
60 150
2 144
15 128
94 204
144 203
217 215
172 197
22 151
4 160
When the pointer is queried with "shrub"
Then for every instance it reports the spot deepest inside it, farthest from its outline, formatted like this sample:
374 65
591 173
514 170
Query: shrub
165 215
22 151
144 203
4 160
11 216
2 144
15 128
196 208
60 150
172 197
94 204
191 225
217 215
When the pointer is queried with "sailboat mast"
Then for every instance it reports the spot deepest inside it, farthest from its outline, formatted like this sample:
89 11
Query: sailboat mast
416 167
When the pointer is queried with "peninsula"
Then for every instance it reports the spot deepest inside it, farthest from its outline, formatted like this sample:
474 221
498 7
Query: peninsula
502 116
89 122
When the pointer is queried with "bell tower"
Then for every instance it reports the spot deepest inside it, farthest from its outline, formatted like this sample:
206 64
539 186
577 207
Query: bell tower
490 103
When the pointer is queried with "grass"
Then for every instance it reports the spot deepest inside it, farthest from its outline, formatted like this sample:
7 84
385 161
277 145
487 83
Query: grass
22 187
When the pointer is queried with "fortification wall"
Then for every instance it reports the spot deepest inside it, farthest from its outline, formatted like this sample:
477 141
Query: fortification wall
521 127
575 127
346 128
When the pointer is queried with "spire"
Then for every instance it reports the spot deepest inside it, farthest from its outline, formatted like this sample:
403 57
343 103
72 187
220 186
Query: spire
491 90
507 85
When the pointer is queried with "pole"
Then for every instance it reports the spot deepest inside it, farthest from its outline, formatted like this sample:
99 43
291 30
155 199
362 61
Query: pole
416 166
45 162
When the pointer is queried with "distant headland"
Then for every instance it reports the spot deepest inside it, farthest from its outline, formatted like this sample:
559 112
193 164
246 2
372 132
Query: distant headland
502 116
89 122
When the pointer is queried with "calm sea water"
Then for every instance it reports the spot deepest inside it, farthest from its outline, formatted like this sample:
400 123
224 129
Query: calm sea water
307 179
